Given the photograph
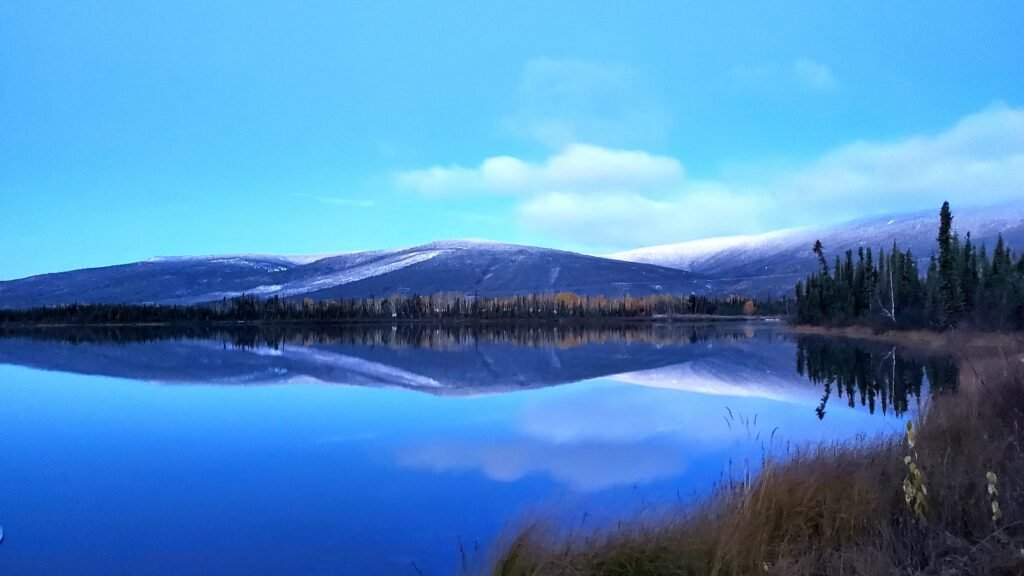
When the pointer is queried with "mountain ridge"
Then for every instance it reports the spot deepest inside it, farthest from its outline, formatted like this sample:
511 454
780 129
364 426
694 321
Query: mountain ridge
772 263
759 265
468 266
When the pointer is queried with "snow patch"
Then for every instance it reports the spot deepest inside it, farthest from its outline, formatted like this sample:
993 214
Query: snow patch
346 276
262 290
689 255
476 244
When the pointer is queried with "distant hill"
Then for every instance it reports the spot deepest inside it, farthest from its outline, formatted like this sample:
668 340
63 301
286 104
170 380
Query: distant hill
772 263
466 266
763 265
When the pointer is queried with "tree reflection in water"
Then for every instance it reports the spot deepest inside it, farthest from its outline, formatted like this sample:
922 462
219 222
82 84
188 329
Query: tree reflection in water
878 376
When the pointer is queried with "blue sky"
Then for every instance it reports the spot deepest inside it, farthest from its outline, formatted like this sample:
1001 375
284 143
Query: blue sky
135 129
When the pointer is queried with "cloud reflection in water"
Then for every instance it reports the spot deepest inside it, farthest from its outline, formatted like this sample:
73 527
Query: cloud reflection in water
606 433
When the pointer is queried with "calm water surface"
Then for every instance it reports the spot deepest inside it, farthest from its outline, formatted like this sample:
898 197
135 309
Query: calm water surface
386 450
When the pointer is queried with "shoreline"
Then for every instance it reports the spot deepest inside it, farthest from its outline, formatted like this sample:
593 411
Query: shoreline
666 319
969 345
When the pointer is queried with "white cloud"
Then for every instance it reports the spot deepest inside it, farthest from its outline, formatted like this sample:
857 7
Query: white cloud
802 73
979 160
813 75
351 202
629 219
558 102
577 168
607 198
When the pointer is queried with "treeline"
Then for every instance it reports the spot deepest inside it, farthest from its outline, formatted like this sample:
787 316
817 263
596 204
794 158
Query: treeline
437 307
962 284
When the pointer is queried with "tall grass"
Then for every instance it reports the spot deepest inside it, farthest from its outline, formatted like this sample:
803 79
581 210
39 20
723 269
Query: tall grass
839 509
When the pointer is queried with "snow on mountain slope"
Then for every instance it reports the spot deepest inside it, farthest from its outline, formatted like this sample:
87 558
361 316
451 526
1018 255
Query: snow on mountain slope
496 269
331 279
772 263
696 254
466 266
253 259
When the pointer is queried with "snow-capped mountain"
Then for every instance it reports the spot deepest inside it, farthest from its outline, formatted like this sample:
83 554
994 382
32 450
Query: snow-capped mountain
765 264
466 266
772 263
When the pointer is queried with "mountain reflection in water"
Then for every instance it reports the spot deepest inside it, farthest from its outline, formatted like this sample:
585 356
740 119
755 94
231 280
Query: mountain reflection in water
724 358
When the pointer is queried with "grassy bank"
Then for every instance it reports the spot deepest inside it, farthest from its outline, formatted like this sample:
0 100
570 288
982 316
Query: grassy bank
967 346
843 509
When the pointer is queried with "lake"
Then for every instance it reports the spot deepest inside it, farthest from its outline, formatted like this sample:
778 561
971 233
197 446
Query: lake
399 449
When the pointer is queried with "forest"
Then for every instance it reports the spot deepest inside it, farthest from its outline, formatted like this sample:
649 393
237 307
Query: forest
563 306
963 285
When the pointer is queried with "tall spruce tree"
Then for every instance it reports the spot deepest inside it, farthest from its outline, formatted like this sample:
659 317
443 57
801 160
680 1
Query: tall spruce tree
969 275
949 285
819 251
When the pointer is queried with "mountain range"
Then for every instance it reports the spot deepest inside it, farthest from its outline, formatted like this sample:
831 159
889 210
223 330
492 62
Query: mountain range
466 266
762 265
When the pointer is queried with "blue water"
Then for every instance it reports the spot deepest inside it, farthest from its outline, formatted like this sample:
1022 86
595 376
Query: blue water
271 471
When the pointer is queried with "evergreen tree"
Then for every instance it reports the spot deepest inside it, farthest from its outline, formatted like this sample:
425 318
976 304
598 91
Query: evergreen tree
961 284
819 250
968 275
949 285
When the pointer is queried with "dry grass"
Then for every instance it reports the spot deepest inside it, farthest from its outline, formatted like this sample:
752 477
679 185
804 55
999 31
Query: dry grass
840 509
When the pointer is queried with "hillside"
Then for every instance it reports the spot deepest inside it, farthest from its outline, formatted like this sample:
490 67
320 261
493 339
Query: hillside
772 263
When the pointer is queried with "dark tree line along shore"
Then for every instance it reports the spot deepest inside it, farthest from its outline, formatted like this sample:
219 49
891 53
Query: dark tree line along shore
963 285
437 307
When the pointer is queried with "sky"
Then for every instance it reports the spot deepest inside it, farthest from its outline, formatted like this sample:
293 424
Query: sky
137 129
